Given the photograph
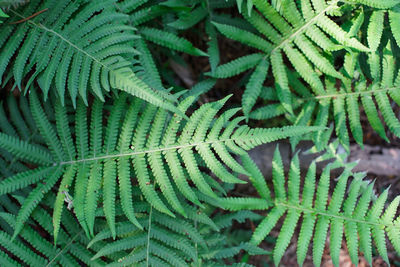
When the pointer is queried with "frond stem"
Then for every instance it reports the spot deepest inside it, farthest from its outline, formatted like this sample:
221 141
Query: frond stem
30 17
301 29
326 214
344 94
41 26
154 150
66 246
148 237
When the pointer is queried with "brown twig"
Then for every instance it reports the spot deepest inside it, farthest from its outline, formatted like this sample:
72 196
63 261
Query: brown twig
31 16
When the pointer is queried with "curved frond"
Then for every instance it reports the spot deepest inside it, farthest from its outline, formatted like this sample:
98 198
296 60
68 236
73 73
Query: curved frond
73 45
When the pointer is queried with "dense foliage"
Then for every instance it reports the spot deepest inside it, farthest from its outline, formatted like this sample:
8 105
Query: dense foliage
109 156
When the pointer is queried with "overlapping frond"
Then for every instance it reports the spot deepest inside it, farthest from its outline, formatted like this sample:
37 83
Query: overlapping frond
344 104
143 13
73 46
381 24
119 180
141 145
352 214
32 247
172 242
299 33
162 23
5 4
163 241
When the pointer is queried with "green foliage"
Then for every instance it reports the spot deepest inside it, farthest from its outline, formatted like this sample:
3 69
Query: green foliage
89 49
299 33
12 3
32 247
343 104
351 212
3 15
136 135
175 16
169 241
377 4
107 160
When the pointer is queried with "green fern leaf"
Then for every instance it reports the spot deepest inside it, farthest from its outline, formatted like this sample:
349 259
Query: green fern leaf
237 66
378 4
347 212
393 17
253 87
171 41
79 51
298 36
148 136
375 29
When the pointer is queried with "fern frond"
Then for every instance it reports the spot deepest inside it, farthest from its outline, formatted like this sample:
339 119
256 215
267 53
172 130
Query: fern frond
170 40
350 211
237 66
173 242
343 104
283 30
30 247
375 29
145 16
84 49
174 150
377 4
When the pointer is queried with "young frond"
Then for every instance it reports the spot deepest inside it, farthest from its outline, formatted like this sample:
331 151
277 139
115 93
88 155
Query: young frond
352 213
73 46
299 33
140 146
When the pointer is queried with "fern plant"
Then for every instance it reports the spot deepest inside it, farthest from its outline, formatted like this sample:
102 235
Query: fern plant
33 248
146 16
344 104
196 236
173 241
139 17
352 212
279 4
147 136
77 50
299 33
131 169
